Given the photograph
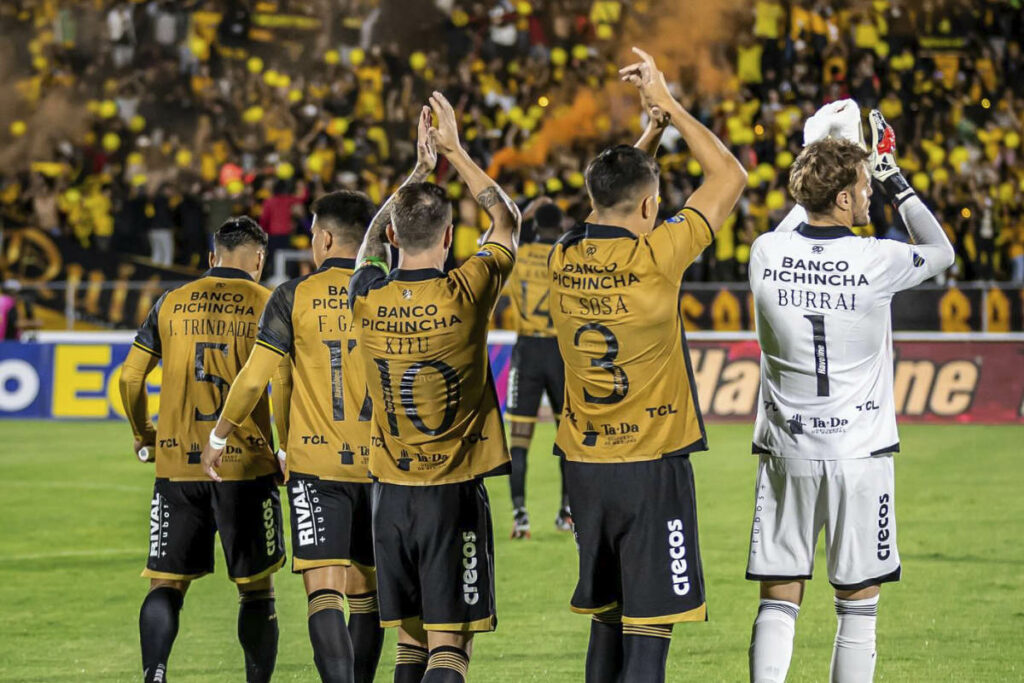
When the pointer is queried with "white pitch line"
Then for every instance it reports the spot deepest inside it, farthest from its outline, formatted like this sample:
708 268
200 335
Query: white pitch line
59 484
107 552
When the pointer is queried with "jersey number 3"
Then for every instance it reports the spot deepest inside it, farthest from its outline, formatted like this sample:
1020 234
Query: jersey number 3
620 386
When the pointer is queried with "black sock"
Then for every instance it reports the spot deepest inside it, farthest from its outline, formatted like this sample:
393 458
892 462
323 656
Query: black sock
447 664
517 478
158 626
366 633
646 651
257 632
332 646
565 491
604 654
410 663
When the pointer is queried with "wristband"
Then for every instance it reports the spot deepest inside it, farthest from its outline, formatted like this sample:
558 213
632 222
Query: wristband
898 189
216 442
375 261
143 454
281 455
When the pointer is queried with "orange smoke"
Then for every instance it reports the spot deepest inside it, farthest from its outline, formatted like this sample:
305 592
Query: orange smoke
687 40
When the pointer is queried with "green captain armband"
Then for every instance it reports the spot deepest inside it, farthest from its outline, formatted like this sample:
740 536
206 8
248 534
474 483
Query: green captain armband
375 261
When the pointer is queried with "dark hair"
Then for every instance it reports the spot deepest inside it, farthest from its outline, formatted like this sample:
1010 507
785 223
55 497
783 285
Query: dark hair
238 231
345 214
549 217
823 170
616 175
420 213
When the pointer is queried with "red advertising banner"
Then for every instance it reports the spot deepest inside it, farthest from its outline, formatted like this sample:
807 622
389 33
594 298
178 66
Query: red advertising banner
933 381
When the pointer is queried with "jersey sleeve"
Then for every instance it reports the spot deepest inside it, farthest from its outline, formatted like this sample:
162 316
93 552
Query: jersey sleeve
148 336
907 265
276 331
678 241
484 274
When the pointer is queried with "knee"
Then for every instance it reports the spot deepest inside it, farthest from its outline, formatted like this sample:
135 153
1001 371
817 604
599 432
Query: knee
360 580
180 586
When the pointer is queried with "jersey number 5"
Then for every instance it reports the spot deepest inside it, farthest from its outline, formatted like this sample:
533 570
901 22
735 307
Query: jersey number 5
820 352
203 376
620 386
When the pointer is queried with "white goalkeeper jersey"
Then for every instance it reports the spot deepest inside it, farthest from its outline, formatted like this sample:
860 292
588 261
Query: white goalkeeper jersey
821 300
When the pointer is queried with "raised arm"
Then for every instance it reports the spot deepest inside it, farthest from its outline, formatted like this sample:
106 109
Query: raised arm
926 232
657 122
724 176
505 217
375 247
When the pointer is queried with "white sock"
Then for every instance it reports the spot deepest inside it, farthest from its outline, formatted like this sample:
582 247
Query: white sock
771 641
853 658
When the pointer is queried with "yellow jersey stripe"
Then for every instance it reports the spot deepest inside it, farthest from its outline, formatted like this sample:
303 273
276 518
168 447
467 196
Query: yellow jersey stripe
271 347
139 345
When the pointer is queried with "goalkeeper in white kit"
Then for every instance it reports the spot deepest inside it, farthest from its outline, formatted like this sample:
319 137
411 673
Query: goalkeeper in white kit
826 424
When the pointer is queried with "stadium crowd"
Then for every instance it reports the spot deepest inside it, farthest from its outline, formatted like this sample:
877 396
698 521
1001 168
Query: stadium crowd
140 126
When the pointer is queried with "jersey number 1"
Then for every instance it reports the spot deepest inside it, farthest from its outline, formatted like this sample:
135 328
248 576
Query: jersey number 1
820 352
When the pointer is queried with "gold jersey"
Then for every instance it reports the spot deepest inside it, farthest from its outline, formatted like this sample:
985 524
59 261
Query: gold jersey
203 333
423 344
629 388
330 409
528 289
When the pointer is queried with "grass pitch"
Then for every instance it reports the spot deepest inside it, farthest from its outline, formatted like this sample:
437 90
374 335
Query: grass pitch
74 534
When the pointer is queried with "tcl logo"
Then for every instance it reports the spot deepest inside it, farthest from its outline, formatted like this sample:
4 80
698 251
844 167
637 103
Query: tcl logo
469 575
677 551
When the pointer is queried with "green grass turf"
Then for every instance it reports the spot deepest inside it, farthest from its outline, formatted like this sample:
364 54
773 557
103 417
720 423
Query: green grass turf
74 534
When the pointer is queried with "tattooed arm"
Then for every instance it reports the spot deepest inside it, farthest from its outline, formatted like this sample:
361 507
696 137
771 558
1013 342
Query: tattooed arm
504 214
375 243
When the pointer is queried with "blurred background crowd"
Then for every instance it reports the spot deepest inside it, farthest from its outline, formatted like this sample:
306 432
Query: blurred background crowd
138 127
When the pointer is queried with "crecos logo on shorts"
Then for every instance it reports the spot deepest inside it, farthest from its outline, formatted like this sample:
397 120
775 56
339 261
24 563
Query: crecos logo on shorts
268 524
677 551
469 590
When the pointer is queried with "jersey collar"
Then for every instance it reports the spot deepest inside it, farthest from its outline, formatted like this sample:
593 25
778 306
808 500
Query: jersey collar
221 271
598 231
338 262
824 232
416 275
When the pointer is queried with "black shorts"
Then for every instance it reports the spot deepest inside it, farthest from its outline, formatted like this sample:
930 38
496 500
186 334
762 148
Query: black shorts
331 523
536 368
435 556
184 516
636 530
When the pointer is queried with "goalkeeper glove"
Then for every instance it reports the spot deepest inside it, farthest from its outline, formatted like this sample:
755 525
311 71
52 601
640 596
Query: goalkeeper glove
839 119
883 160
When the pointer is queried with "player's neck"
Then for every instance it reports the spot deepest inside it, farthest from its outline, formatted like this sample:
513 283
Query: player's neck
631 221
829 219
431 258
346 253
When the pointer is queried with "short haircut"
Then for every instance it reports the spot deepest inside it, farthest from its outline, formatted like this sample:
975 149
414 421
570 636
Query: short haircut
549 219
239 231
823 170
420 213
618 174
345 214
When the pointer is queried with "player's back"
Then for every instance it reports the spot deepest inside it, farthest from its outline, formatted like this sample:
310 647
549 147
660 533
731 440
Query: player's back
330 408
529 288
615 304
203 332
423 344
821 300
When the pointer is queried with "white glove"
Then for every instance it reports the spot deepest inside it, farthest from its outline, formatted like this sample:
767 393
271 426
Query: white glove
883 160
839 119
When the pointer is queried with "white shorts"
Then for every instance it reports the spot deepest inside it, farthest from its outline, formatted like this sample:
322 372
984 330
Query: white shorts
852 499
